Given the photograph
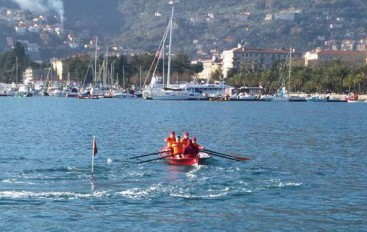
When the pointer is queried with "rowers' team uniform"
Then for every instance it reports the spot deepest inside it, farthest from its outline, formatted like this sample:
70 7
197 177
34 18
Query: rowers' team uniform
170 141
185 139
178 148
191 150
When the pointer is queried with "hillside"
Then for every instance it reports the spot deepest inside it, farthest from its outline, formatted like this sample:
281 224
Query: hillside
208 26
222 24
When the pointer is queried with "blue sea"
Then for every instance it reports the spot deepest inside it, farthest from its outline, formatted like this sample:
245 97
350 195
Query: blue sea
307 169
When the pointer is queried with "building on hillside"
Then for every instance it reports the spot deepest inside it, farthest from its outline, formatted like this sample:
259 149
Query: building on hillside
361 45
287 15
258 59
209 66
348 45
21 30
28 76
242 17
33 47
319 56
58 67
268 17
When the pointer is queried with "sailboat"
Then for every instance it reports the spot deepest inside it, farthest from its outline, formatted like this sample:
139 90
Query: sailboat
293 98
118 92
91 92
157 89
282 95
12 90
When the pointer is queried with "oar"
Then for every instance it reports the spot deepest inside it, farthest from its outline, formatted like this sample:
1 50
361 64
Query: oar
163 157
226 157
231 156
155 153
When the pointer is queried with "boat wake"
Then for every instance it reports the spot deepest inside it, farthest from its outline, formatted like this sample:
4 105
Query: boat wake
196 190
49 195
159 182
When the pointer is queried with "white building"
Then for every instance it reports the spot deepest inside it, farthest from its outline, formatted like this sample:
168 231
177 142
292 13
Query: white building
319 56
58 67
260 59
209 66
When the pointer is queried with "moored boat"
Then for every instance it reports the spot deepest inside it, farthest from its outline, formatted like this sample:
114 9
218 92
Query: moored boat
87 96
244 97
122 94
296 98
72 95
333 99
158 89
351 97
317 98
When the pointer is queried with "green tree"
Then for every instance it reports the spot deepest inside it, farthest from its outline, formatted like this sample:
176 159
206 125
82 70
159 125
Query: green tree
217 75
79 68
13 62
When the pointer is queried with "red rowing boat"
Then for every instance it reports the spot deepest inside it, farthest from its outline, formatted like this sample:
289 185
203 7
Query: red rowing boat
185 160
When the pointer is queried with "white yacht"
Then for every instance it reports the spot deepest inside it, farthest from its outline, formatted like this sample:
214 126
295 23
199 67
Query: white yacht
158 91
206 90
317 98
122 94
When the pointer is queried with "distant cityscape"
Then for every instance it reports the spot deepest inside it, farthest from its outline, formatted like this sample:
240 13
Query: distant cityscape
44 35
43 32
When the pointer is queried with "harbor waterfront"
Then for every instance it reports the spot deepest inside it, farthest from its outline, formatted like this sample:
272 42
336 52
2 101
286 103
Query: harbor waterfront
307 167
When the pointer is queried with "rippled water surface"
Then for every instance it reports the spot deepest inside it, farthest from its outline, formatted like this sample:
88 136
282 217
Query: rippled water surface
307 170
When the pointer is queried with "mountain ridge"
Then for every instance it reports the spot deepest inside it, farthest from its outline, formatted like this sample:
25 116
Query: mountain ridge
205 27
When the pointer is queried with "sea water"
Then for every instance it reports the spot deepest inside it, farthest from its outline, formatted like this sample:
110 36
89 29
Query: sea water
307 167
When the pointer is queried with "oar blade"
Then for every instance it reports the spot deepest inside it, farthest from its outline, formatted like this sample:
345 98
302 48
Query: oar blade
222 156
239 158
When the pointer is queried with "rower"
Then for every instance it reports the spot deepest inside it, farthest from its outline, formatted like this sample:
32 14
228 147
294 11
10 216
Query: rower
194 141
170 140
191 150
185 138
177 147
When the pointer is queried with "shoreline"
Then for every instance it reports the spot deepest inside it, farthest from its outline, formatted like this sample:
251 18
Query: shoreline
361 97
342 96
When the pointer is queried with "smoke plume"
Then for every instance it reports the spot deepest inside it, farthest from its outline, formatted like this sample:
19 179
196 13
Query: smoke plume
43 6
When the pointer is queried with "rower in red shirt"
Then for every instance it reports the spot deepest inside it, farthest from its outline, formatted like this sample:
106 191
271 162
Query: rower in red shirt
185 138
191 150
194 141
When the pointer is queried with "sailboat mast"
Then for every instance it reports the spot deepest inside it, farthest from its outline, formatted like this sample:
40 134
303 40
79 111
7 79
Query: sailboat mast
95 61
163 63
123 76
140 77
16 70
169 49
105 69
290 70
